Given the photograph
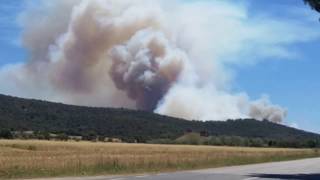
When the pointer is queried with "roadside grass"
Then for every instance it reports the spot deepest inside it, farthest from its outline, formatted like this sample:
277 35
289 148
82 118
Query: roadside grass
30 158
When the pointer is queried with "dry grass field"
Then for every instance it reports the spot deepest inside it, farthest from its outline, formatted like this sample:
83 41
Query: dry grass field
25 159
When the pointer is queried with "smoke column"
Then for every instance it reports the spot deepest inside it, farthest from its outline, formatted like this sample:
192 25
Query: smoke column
149 55
146 67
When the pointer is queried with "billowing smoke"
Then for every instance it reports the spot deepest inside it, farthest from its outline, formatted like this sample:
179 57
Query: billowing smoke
263 110
147 67
169 57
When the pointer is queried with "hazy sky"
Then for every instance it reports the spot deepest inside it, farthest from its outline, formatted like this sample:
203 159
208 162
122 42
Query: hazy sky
291 80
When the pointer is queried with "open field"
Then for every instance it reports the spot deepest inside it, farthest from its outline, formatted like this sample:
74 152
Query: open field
19 158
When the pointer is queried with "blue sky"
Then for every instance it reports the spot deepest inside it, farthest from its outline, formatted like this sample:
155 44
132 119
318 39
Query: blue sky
10 50
292 83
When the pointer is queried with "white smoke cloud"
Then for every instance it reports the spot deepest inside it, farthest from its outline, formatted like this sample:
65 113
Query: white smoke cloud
169 57
294 125
191 102
262 109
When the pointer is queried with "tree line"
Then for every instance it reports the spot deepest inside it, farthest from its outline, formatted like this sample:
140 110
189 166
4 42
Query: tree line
45 118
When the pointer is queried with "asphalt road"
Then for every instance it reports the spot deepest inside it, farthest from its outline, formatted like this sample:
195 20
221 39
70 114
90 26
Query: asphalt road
307 169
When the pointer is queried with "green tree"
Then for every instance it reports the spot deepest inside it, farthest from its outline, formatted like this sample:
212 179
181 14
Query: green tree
314 4
6 134
62 137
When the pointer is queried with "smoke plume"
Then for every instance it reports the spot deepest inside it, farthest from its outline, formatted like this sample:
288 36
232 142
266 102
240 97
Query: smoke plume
263 110
161 56
146 67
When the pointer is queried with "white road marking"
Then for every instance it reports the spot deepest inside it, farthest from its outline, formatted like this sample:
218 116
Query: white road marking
142 176
161 174
252 178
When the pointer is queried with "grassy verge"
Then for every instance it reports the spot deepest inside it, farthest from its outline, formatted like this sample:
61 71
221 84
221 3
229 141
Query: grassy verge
28 159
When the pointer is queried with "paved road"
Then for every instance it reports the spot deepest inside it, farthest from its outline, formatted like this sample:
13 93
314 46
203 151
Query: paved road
307 169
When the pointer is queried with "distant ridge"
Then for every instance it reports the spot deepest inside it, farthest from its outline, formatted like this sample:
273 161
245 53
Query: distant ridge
18 114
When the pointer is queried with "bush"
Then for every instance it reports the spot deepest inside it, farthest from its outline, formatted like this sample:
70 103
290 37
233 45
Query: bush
190 138
6 134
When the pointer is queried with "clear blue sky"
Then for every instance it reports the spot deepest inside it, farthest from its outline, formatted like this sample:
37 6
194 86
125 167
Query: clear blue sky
291 83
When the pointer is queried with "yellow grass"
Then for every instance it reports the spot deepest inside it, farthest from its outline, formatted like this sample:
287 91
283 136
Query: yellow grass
22 158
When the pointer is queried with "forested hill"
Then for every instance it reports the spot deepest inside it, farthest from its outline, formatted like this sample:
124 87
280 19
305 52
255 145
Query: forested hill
17 114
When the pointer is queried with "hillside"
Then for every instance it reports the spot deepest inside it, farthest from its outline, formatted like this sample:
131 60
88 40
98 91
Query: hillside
19 114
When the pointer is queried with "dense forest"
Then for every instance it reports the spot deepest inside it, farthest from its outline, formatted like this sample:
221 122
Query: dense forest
41 117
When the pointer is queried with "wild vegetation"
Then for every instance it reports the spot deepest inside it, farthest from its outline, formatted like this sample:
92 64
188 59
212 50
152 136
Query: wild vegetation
314 4
27 159
63 121
199 139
